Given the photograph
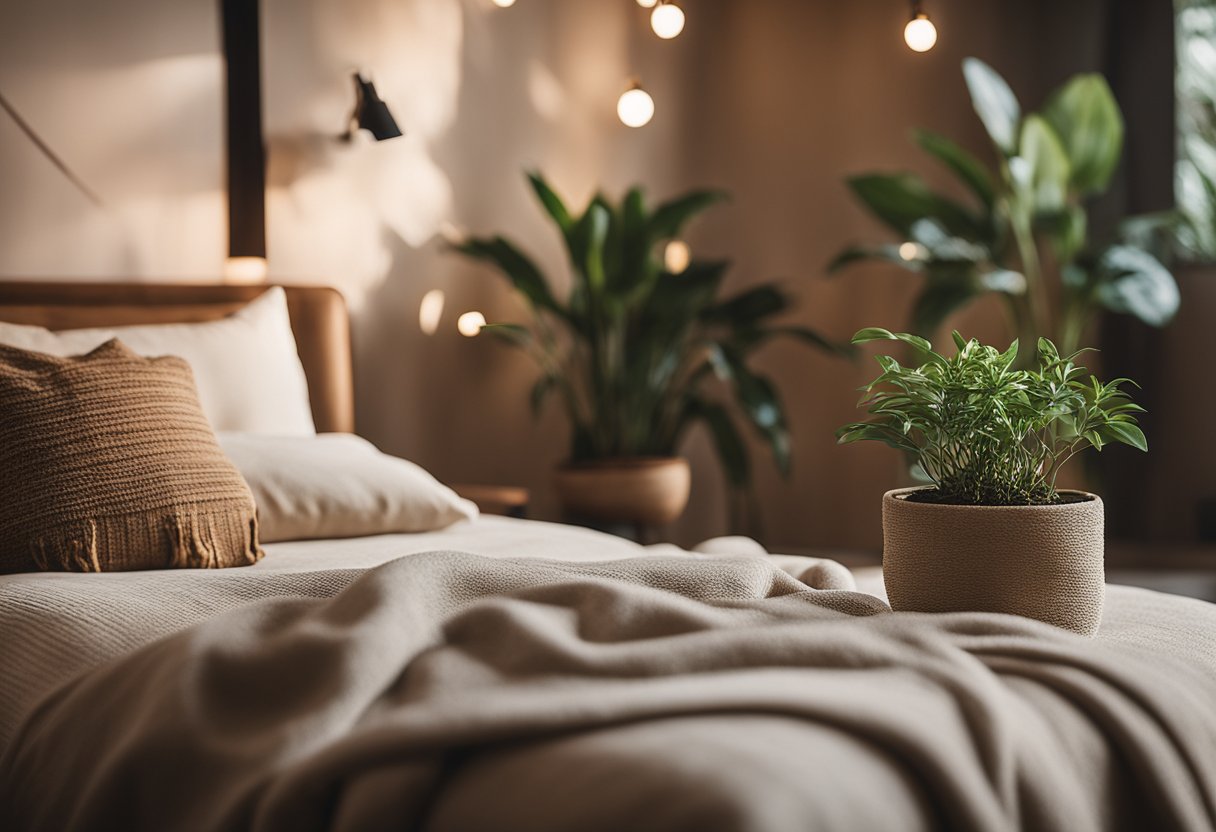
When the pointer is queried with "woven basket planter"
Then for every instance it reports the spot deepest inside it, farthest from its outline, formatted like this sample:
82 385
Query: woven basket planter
1042 562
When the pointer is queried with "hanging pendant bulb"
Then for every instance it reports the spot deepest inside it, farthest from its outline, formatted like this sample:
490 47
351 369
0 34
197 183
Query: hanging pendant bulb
667 20
647 4
920 34
504 4
635 107
470 323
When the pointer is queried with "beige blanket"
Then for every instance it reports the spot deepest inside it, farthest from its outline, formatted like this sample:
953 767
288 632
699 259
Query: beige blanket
452 692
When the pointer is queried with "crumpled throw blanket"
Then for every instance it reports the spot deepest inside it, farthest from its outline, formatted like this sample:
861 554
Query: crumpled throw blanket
451 692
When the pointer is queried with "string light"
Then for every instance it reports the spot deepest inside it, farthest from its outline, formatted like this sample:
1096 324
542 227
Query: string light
470 323
676 256
920 34
430 311
504 4
635 107
647 4
667 20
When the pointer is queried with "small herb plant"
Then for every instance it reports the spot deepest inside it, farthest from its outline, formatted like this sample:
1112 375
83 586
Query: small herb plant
984 432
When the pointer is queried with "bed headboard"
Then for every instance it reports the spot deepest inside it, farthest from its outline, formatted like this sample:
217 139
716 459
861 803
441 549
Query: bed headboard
318 319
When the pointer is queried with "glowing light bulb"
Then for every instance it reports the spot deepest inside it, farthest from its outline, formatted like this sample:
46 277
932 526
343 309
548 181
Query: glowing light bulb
635 107
504 4
245 270
647 4
667 20
676 256
920 34
470 323
430 311
912 251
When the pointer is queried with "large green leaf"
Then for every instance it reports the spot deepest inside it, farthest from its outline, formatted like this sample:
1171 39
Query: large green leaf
1049 169
732 453
886 253
551 202
514 334
678 299
943 246
902 199
587 240
994 103
968 168
540 391
669 218
749 339
518 268
748 307
1086 116
940 299
1067 229
758 399
635 242
1134 282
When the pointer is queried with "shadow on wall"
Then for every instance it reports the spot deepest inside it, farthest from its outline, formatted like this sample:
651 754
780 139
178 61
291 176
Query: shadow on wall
131 99
330 200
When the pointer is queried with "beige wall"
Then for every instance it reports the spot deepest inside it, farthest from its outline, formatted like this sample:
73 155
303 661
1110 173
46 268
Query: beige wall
776 101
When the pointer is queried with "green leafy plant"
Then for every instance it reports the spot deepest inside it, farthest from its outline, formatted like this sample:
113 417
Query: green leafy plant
985 433
636 353
1195 170
1025 234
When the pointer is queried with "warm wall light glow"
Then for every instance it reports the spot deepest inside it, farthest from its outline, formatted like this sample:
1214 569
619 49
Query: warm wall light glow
470 323
635 107
920 34
667 20
504 4
430 311
245 270
647 4
676 256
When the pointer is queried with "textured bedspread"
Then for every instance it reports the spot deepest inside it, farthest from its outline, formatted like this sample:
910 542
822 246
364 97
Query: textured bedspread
451 692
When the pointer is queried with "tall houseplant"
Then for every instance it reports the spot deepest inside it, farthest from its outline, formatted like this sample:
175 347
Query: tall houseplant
992 533
1025 234
638 354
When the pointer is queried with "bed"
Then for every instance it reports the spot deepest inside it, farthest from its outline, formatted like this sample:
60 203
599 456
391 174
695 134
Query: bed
512 674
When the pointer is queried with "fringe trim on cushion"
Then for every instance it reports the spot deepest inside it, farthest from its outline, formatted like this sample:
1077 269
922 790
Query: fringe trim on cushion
190 537
73 553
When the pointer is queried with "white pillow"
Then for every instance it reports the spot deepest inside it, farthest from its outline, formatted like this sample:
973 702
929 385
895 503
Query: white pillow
246 367
338 485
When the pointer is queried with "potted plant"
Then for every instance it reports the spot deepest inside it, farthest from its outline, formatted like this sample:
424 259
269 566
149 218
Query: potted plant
638 353
1026 233
992 533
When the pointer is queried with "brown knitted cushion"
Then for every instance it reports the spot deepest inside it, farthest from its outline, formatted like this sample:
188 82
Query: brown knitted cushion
107 463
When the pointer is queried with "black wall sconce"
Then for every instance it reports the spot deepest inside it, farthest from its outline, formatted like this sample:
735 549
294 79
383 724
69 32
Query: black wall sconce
371 113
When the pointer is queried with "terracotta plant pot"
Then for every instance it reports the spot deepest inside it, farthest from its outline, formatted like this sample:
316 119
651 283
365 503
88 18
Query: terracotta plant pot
646 491
1042 562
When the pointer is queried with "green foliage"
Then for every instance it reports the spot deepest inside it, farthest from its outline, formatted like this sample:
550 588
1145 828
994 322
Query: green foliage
1195 88
639 355
985 432
1027 237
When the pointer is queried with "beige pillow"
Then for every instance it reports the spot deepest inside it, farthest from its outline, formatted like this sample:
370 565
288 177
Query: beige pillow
339 485
248 372
107 463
